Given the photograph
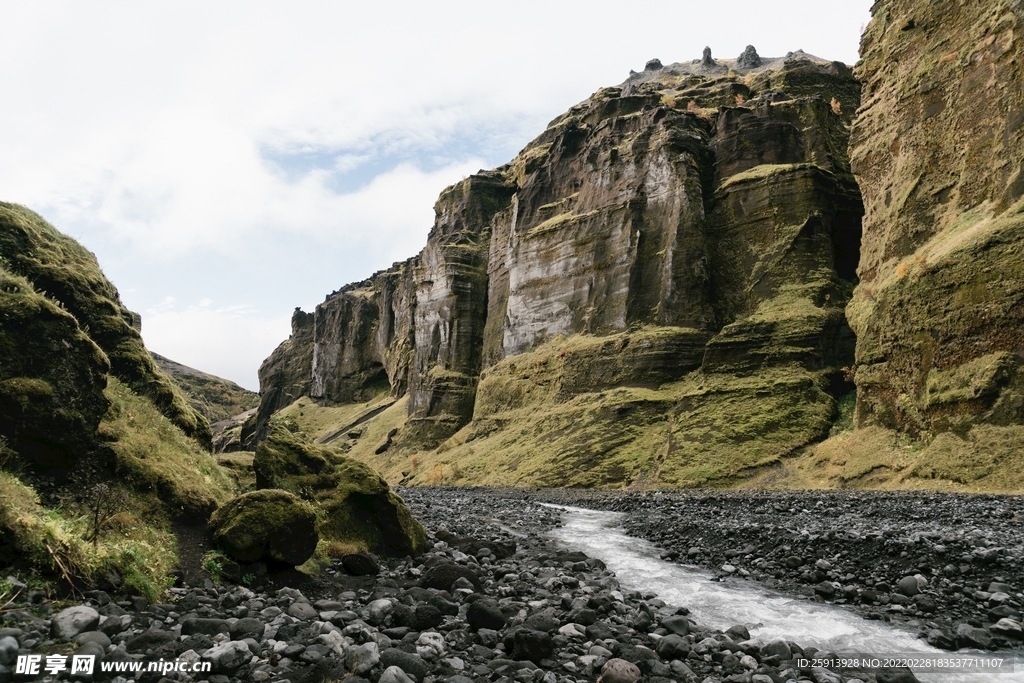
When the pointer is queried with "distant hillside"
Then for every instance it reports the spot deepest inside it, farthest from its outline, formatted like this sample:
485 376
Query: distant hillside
215 397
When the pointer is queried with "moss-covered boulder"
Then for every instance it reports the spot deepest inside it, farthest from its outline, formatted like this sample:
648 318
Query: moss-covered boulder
68 275
271 524
355 504
52 377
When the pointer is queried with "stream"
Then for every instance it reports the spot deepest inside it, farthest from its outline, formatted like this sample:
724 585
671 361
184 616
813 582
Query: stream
767 615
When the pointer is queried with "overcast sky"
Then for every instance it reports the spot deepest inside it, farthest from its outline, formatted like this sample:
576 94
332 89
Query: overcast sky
229 161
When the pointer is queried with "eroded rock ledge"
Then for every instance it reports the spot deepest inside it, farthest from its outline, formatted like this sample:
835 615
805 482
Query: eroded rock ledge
705 209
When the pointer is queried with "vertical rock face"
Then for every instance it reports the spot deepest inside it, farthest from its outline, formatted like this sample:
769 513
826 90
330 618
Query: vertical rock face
938 149
711 207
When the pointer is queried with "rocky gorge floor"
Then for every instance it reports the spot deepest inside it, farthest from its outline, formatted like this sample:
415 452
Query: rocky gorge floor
496 600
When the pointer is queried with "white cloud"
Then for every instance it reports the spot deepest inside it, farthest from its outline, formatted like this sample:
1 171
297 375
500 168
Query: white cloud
162 133
229 342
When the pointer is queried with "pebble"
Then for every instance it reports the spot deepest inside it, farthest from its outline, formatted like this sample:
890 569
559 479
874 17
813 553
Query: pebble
495 601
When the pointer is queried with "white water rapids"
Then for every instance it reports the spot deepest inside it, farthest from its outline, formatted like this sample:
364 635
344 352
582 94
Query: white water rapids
767 615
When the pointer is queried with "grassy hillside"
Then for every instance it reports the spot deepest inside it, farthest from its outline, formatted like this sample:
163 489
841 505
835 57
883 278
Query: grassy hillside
68 275
155 475
214 397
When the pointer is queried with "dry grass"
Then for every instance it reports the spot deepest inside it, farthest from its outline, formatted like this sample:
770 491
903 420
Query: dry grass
986 460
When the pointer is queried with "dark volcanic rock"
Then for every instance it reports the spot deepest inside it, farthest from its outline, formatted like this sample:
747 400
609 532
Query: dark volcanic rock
443 576
749 59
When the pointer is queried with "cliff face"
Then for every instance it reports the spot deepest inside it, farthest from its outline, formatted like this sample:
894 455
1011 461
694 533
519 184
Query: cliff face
709 208
70 278
938 149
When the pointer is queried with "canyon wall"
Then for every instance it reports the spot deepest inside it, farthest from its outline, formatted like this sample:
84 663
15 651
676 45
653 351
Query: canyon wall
938 150
708 208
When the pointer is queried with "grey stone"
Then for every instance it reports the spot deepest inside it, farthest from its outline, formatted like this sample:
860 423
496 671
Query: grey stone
908 586
1009 628
247 627
970 636
676 624
394 674
619 671
362 658
98 637
227 657
486 614
303 611
8 650
69 622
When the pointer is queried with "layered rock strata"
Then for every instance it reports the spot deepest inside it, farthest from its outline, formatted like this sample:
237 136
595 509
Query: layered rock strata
709 207
938 150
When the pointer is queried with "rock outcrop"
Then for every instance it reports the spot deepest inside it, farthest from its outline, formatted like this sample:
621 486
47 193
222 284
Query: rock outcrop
354 504
708 208
938 150
71 278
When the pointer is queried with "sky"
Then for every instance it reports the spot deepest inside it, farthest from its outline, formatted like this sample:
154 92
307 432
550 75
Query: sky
228 162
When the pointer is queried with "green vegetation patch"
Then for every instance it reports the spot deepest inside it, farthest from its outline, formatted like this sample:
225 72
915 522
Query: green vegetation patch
67 274
354 503
52 543
153 455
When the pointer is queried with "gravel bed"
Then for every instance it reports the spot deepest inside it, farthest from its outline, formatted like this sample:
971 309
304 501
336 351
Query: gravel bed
494 600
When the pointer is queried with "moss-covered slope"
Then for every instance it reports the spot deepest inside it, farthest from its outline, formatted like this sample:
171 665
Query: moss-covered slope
214 397
99 454
70 277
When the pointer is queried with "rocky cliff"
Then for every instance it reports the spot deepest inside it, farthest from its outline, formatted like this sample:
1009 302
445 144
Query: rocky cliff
938 150
700 220
68 276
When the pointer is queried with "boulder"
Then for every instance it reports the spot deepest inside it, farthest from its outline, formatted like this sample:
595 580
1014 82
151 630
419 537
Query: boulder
486 614
268 525
355 503
360 564
71 621
532 645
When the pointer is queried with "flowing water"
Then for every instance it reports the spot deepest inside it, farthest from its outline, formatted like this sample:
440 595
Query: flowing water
767 615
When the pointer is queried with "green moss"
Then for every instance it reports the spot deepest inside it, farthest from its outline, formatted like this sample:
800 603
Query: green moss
920 331
354 503
154 455
67 274
979 379
268 524
51 379
764 171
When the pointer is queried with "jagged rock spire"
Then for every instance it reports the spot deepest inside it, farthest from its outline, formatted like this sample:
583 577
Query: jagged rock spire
749 59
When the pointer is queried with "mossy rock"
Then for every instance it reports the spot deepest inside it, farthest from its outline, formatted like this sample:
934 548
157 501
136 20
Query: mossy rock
67 274
51 378
271 524
354 503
